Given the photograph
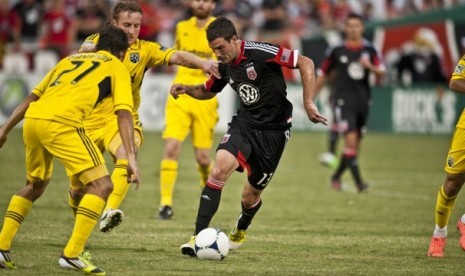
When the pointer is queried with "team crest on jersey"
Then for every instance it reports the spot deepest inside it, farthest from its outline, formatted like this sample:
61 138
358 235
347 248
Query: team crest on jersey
225 138
450 161
134 57
251 73
459 69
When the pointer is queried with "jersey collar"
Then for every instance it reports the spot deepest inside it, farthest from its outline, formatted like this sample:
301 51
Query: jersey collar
241 56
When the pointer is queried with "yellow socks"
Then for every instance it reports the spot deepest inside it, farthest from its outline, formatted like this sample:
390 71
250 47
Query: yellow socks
444 206
168 175
88 213
14 217
204 173
119 177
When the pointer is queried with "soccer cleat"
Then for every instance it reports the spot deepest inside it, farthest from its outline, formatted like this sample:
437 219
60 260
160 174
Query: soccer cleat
461 228
81 264
236 238
5 260
188 249
166 212
362 188
110 219
336 184
436 247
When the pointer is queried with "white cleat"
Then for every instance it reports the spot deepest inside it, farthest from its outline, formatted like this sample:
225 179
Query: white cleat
110 219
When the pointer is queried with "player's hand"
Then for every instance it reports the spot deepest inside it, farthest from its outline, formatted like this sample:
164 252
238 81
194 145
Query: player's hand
210 67
133 173
315 116
178 89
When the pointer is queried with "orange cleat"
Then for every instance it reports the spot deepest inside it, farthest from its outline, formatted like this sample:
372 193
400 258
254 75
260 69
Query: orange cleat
461 228
436 247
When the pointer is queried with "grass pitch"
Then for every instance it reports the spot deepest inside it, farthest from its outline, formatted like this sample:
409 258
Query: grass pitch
303 228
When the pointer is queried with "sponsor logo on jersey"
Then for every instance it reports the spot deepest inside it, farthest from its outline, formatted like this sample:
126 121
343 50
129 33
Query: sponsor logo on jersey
251 73
248 93
134 57
356 71
225 138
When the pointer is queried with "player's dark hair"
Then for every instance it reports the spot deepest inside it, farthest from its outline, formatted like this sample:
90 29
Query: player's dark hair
112 39
354 16
125 6
221 27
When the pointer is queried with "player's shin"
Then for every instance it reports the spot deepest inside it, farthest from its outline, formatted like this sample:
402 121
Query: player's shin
444 206
17 210
119 177
247 215
168 175
88 213
209 203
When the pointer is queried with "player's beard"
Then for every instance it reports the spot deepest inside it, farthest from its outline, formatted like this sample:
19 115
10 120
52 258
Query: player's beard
202 14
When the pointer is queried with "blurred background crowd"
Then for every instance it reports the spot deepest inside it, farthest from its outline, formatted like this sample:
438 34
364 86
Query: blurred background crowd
60 26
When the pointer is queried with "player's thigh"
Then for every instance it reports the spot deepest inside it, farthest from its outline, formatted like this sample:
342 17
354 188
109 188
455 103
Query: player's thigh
203 125
39 162
177 121
455 162
268 147
74 148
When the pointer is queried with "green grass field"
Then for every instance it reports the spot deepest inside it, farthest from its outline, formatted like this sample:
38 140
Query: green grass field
303 228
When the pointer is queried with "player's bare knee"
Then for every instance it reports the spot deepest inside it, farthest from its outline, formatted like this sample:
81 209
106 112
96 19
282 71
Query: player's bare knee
453 183
33 189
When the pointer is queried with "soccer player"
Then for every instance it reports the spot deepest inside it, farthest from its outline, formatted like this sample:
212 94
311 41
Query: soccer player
350 64
54 115
101 125
188 114
258 133
455 176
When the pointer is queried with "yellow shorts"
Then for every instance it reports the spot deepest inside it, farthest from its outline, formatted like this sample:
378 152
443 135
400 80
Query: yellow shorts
45 139
107 137
186 115
455 162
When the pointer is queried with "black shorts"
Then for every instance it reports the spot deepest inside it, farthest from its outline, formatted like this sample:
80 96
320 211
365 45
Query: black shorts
258 151
350 117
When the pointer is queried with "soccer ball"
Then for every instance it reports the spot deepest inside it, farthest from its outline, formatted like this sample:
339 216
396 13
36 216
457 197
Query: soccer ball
211 244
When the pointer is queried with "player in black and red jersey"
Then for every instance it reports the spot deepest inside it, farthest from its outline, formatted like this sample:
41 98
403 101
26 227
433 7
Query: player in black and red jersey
350 64
257 134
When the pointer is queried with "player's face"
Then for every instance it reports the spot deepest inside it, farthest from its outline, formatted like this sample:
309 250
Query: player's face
202 8
130 23
225 51
354 28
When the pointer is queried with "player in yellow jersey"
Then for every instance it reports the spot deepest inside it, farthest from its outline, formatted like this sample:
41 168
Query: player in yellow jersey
101 125
455 176
188 114
54 127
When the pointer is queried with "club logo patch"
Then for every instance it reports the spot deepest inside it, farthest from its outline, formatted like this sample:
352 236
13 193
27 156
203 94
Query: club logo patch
459 69
225 138
251 73
450 161
134 57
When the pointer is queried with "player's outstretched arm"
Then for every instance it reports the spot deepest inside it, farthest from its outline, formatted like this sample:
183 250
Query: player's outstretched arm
195 91
307 74
126 130
16 117
186 59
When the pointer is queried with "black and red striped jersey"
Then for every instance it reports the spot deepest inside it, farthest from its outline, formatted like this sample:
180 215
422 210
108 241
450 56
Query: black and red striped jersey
258 80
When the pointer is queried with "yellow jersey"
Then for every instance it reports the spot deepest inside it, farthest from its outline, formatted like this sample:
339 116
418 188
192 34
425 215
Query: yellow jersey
191 38
78 83
140 56
459 73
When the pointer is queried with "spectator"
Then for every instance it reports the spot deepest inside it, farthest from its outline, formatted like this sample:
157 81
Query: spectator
9 28
58 29
89 19
150 21
30 13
